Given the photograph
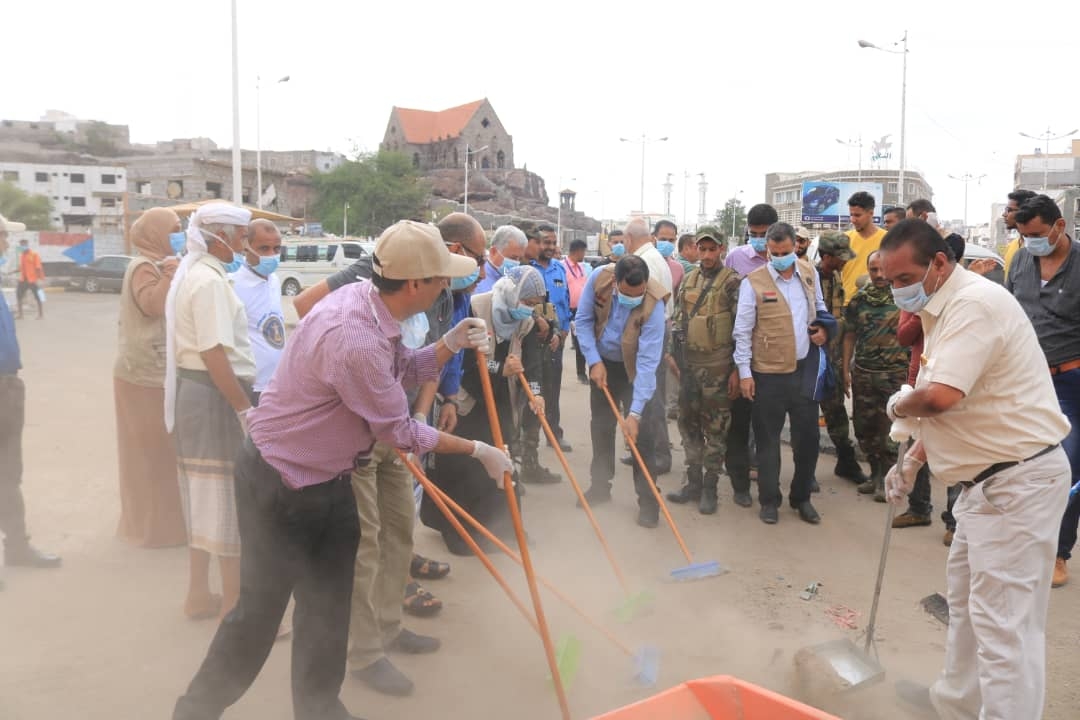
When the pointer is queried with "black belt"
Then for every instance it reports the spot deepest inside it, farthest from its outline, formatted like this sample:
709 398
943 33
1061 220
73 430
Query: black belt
999 467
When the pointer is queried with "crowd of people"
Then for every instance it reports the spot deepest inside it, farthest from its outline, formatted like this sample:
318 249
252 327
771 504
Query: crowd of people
278 453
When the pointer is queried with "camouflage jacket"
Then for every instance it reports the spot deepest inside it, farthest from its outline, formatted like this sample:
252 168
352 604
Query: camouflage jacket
832 290
872 317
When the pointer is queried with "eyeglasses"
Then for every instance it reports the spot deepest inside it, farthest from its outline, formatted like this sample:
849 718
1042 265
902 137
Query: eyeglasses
480 259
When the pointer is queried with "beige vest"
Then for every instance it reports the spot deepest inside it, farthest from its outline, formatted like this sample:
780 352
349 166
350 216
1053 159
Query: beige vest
772 343
603 292
141 357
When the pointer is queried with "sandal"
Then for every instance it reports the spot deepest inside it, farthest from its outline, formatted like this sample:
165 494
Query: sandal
424 569
419 602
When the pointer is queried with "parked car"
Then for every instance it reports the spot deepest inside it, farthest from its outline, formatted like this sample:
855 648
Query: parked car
105 273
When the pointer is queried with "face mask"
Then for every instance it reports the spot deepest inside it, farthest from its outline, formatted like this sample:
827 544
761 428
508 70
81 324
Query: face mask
1039 246
912 298
618 251
521 312
3 261
177 241
414 330
666 248
782 262
20 249
630 302
462 283
509 265
758 243
266 265
236 264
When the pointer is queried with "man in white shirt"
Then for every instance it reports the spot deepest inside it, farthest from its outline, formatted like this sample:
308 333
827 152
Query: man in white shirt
260 290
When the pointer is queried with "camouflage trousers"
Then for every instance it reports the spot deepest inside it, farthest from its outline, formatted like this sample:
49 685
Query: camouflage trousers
833 408
871 390
704 416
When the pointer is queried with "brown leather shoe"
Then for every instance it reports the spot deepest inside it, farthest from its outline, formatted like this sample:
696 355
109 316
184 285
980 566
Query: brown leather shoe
910 519
1061 573
947 538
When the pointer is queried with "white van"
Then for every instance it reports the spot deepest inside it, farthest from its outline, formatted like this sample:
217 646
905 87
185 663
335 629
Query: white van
304 263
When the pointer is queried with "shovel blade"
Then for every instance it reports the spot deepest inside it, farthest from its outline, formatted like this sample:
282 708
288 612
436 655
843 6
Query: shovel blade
838 665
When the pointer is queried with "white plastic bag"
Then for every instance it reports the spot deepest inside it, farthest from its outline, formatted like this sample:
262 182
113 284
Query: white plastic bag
41 295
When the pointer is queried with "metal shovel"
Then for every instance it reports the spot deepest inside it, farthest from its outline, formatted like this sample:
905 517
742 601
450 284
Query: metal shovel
840 665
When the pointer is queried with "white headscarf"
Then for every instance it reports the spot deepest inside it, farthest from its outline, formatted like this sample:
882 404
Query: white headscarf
523 281
208 214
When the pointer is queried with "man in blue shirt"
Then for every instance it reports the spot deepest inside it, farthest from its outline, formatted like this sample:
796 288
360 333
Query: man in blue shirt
17 548
554 274
620 324
507 250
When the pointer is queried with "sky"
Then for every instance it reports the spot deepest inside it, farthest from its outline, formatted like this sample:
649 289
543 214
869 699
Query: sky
739 90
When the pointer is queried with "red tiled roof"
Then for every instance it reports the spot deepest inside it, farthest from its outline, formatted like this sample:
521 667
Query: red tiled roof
424 126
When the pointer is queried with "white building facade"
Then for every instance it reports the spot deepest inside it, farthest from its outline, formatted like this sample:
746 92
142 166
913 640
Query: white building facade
85 198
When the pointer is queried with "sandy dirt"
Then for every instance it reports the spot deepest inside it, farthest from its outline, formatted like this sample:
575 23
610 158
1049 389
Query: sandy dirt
104 637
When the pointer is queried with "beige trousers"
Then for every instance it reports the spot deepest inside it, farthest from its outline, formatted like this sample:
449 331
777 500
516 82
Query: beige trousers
998 572
385 503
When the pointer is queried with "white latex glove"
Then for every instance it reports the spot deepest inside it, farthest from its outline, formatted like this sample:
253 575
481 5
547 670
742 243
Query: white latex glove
903 428
901 479
469 333
495 461
890 407
242 416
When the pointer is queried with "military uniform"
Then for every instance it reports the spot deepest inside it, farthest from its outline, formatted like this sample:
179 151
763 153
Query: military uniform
833 407
878 369
703 318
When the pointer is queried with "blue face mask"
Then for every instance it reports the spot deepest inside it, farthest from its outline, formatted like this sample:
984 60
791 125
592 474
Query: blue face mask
758 243
521 312
619 250
912 298
630 302
266 265
177 241
666 248
509 265
782 262
414 330
236 264
1039 246
463 282
3 261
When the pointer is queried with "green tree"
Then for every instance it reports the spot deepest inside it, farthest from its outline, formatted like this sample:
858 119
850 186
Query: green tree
379 189
18 205
733 215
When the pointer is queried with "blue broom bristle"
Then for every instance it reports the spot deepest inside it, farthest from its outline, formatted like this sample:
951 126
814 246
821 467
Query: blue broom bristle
647 665
698 570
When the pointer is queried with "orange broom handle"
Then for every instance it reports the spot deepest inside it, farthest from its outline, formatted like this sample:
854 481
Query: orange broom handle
577 487
519 531
648 477
433 489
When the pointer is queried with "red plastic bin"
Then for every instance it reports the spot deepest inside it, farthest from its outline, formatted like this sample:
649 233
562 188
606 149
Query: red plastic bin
721 697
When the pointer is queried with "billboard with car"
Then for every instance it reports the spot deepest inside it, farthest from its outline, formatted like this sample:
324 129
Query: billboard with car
826 202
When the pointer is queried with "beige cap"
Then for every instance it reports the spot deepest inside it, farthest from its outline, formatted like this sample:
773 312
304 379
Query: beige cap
9 226
409 250
803 233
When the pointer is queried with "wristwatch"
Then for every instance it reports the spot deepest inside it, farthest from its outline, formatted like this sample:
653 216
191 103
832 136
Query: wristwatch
635 415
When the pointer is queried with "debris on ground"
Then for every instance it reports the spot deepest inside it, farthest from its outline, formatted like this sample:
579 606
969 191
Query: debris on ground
843 616
937 606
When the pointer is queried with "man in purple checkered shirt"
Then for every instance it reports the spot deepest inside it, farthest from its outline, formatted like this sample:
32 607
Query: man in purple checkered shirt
339 388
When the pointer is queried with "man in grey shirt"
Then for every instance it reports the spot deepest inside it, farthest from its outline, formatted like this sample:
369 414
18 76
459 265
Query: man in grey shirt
1045 278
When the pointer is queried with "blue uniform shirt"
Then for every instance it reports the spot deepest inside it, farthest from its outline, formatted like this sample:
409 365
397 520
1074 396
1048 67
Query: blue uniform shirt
9 344
450 381
558 291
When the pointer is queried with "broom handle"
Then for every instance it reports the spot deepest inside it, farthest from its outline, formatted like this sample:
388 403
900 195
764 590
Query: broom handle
433 489
648 476
884 554
577 487
519 531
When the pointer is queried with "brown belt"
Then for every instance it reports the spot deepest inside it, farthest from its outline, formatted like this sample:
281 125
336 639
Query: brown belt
1064 367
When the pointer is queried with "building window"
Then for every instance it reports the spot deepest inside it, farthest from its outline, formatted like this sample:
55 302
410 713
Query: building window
78 202
484 123
416 159
911 188
108 202
78 178
500 160
41 177
11 175
108 179
214 188
892 188
142 187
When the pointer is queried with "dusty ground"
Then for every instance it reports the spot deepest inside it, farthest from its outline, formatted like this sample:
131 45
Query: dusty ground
104 638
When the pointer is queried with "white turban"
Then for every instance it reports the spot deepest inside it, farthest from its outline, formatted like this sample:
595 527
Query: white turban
210 214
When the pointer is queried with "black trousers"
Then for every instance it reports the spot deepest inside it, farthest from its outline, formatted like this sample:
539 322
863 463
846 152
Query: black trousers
299 542
776 397
552 387
579 357
603 426
737 460
919 498
12 418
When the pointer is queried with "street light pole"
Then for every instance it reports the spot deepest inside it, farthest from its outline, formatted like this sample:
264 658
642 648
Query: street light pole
734 211
967 178
851 144
237 189
903 108
345 221
1046 137
644 141
258 139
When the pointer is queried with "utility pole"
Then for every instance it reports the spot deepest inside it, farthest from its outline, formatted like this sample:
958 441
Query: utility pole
237 187
967 178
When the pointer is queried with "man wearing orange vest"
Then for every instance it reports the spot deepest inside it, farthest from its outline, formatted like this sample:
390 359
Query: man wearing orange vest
621 326
780 325
30 275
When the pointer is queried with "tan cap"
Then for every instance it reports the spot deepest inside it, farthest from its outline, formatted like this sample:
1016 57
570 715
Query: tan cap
10 226
408 250
803 233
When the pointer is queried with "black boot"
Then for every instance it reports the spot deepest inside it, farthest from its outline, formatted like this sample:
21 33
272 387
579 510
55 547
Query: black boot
847 466
707 504
691 491
876 475
533 472
23 554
